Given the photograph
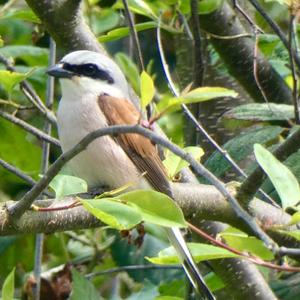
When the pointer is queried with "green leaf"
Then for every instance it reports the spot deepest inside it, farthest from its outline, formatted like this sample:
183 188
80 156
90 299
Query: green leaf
258 112
22 14
147 89
282 2
10 79
267 43
295 218
113 212
9 286
195 96
207 93
282 178
168 298
130 70
121 32
240 241
104 19
295 233
31 55
214 282
241 146
148 291
155 207
209 6
82 288
174 164
199 251
64 185
139 7
176 288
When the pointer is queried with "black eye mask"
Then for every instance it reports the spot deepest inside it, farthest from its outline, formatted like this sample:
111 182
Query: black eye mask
89 70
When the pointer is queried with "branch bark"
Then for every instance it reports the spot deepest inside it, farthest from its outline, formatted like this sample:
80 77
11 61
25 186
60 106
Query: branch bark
198 202
64 21
238 55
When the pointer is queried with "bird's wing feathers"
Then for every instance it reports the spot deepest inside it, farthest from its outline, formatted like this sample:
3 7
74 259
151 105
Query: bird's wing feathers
138 148
144 155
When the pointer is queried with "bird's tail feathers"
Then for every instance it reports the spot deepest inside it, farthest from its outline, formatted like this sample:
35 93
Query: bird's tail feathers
176 239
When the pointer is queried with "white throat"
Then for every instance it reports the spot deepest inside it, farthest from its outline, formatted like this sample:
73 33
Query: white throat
78 87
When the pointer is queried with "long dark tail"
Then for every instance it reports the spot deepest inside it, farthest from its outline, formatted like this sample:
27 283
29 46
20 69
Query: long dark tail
188 263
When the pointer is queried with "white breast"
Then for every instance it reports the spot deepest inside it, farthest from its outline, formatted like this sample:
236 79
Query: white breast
103 162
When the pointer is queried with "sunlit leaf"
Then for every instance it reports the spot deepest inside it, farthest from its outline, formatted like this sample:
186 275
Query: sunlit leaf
197 95
140 7
174 164
240 241
295 218
294 233
10 79
282 178
147 89
155 207
9 286
121 32
64 185
199 251
113 212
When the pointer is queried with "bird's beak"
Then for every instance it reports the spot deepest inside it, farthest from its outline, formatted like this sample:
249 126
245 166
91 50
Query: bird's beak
58 71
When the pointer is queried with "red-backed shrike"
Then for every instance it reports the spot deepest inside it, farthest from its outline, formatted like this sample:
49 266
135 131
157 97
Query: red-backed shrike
95 94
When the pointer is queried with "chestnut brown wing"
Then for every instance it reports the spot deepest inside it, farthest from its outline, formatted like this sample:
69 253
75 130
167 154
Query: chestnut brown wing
138 148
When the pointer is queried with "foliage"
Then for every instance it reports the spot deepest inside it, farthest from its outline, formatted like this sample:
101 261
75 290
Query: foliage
255 127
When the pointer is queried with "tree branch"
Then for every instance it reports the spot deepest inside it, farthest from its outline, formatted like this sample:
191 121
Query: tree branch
22 205
238 56
198 202
29 128
250 186
64 21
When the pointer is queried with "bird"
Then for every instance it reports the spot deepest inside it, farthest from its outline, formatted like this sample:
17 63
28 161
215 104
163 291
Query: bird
95 94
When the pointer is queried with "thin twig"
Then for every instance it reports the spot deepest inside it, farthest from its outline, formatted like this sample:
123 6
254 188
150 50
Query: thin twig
16 105
292 35
245 15
255 67
22 205
39 243
133 268
137 45
275 28
29 92
227 37
292 252
29 128
14 170
184 22
134 35
197 123
254 259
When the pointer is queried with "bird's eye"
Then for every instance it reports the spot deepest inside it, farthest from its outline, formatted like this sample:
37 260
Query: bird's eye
89 69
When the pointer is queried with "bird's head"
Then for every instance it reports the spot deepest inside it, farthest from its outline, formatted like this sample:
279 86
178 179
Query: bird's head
82 72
